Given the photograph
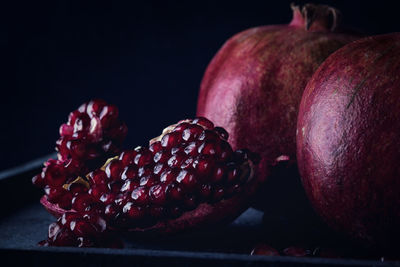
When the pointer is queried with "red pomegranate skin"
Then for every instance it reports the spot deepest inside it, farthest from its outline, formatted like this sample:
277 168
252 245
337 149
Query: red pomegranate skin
348 145
253 85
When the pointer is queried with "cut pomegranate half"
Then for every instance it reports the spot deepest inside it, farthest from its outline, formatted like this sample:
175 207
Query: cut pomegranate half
186 178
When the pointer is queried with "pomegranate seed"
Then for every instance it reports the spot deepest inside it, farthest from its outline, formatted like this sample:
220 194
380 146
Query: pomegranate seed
65 201
208 135
39 181
97 177
265 250
98 190
187 179
129 172
67 217
143 157
169 175
127 157
218 194
157 194
208 148
139 195
122 199
174 192
82 201
176 160
191 149
108 115
82 228
107 198
114 169
219 174
144 171
129 186
203 122
95 107
77 188
159 168
161 156
204 165
110 211
55 175
222 132
133 212
171 139
188 163
54 229
181 126
226 151
155 147
192 133
54 194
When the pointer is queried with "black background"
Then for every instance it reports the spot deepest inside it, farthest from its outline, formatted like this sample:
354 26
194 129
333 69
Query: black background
146 57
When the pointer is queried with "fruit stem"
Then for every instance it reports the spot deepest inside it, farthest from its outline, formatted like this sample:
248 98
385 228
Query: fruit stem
315 18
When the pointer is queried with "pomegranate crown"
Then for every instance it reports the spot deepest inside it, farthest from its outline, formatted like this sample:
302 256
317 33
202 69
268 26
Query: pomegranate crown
316 18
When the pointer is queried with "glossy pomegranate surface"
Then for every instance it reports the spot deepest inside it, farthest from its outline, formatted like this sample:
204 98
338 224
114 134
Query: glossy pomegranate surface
348 144
253 85
189 177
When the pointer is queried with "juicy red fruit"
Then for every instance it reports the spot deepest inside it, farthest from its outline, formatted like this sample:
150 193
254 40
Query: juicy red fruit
150 187
253 85
348 140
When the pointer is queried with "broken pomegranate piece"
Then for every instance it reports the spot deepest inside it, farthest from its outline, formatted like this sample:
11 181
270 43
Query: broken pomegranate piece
186 178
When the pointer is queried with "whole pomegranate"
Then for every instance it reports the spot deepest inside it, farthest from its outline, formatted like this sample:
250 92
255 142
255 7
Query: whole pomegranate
348 144
253 85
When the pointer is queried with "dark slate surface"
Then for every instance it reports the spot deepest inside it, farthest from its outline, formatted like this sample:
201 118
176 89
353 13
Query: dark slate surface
24 222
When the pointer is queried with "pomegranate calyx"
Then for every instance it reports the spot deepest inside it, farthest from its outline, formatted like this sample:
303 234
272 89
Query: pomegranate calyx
316 18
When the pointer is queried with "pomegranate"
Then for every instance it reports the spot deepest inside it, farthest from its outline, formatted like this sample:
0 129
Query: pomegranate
265 250
253 85
92 134
348 145
189 177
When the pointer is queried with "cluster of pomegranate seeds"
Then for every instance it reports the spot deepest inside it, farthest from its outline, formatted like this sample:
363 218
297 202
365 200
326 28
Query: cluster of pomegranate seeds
80 229
191 163
92 134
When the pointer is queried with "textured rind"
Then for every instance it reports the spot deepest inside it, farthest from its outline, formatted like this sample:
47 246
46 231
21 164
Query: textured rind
253 85
205 215
348 145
